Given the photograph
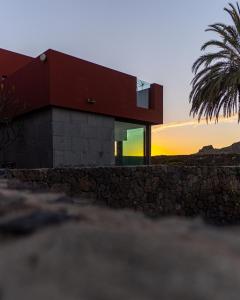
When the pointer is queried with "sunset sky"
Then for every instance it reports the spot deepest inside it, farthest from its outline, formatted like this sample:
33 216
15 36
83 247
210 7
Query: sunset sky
156 40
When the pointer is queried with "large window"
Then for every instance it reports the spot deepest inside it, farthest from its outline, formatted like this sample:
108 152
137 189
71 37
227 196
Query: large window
130 143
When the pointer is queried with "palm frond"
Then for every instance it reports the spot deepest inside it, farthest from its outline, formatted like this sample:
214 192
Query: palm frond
216 82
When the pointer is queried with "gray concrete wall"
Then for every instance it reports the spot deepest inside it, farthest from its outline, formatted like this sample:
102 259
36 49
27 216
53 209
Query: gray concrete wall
81 138
33 147
57 137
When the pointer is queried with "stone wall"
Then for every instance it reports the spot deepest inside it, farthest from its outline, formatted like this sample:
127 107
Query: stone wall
198 160
57 247
210 192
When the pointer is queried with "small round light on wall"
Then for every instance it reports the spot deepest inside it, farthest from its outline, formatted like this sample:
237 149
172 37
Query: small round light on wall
43 57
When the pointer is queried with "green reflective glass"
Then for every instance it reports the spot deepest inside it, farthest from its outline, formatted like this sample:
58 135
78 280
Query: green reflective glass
129 143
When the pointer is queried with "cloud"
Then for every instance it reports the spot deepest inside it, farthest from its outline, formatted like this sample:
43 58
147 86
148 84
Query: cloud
193 123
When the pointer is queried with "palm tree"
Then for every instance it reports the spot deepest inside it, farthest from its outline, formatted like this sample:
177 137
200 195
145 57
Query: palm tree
216 83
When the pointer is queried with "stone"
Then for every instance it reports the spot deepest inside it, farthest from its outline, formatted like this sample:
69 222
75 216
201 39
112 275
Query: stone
120 255
212 193
55 247
32 222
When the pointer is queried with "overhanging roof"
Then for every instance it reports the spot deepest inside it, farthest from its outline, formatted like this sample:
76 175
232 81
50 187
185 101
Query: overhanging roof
69 82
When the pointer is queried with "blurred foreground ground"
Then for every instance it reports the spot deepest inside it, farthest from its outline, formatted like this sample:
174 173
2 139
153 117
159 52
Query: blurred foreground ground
55 247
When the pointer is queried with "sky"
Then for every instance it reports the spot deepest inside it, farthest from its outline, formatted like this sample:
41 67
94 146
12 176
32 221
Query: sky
155 40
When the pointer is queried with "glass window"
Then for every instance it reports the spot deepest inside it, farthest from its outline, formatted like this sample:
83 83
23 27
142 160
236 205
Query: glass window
143 99
143 90
129 143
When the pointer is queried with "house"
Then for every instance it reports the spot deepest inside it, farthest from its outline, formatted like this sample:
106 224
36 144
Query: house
79 113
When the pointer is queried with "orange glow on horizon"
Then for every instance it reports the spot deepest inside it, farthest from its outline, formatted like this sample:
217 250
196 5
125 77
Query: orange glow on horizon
188 137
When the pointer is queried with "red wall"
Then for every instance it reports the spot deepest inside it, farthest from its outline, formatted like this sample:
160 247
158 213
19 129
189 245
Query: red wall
11 62
32 85
66 81
73 81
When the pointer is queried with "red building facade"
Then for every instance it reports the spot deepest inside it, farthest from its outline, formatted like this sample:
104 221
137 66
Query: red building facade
60 81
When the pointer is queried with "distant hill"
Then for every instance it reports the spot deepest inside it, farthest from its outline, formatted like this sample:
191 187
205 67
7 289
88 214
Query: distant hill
233 149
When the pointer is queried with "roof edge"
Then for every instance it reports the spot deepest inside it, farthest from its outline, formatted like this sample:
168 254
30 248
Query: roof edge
16 53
